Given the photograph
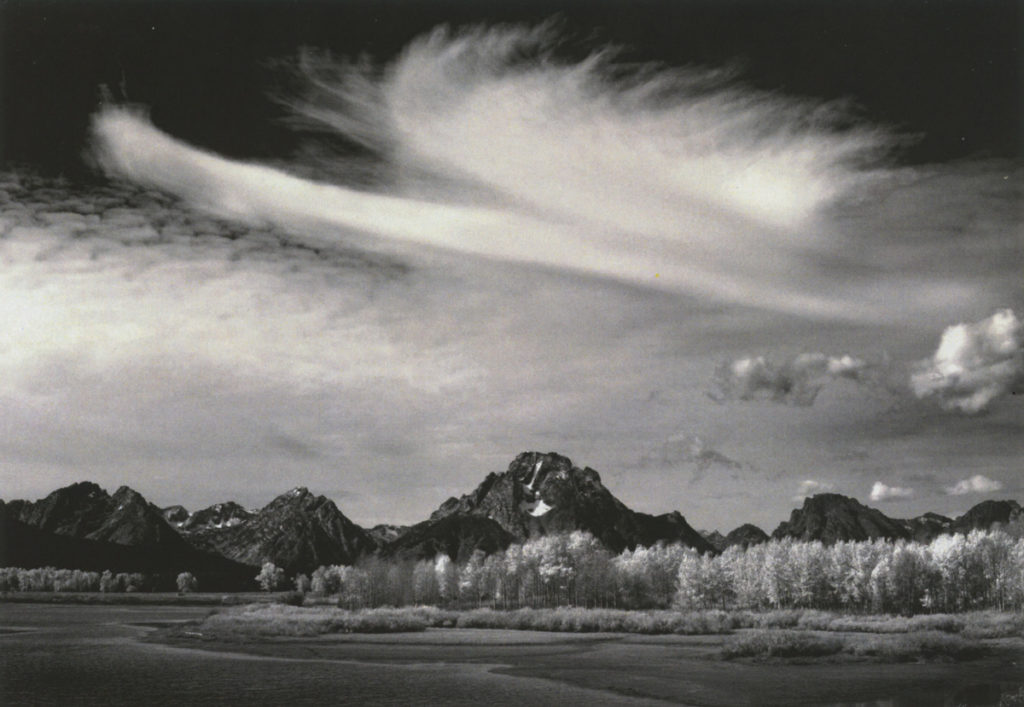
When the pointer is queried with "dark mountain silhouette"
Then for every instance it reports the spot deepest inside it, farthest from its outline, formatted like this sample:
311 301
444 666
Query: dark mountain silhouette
296 531
541 494
457 535
831 517
88 542
83 527
986 514
84 510
745 536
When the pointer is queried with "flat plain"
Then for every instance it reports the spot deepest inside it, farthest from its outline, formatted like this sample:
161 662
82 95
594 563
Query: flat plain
58 654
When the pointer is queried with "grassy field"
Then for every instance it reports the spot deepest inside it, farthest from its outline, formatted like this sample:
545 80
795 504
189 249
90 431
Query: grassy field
778 635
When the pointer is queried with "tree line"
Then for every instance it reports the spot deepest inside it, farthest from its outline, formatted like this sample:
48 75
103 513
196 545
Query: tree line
983 569
52 579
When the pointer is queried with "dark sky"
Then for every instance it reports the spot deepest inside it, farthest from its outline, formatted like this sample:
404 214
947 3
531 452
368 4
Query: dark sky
949 71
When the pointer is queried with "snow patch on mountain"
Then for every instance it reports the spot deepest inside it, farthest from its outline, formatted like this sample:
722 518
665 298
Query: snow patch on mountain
536 508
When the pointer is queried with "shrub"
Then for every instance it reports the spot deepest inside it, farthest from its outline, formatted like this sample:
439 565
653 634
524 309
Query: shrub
780 618
781 644
919 645
271 577
286 620
186 582
984 624
815 620
291 598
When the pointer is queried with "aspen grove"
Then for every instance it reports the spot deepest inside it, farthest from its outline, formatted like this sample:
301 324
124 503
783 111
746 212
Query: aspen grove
953 573
981 570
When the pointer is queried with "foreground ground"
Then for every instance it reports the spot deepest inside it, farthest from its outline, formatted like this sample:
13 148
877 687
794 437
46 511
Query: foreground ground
51 654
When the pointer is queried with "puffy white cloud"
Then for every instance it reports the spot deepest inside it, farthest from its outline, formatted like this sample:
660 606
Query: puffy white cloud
979 483
883 492
796 381
809 487
974 364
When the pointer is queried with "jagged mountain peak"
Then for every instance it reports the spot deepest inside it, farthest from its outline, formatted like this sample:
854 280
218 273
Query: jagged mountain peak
298 530
80 489
85 510
219 515
299 497
543 493
126 494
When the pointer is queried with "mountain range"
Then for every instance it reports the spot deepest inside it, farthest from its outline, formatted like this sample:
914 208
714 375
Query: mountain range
82 526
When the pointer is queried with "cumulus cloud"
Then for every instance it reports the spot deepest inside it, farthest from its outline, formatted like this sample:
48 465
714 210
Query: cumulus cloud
978 483
795 382
883 492
975 364
809 487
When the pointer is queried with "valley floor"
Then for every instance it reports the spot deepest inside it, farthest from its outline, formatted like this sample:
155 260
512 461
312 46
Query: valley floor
53 654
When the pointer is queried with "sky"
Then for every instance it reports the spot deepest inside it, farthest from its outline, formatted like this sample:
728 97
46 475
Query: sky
727 254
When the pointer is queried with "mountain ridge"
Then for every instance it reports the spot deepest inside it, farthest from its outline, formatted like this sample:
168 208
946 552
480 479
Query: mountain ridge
538 494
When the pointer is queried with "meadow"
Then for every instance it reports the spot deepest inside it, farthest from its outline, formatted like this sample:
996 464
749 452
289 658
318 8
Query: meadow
788 634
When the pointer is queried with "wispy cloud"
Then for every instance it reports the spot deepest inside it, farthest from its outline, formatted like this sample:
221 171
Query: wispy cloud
978 483
975 364
883 492
672 179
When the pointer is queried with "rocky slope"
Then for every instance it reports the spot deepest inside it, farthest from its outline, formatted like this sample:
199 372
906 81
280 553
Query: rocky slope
745 536
541 494
986 514
831 517
83 527
457 535
219 515
297 531
84 510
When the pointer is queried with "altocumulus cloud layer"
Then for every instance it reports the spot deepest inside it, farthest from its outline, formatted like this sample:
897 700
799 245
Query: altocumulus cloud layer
796 381
494 147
